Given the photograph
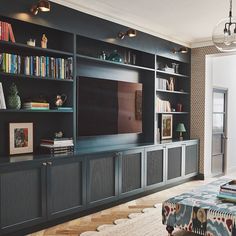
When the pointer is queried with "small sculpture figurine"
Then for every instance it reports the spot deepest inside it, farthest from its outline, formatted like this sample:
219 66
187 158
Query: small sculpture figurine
44 41
31 42
58 134
170 84
60 100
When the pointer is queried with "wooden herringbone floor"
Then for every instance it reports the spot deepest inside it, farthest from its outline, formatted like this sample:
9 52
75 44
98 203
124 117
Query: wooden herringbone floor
91 222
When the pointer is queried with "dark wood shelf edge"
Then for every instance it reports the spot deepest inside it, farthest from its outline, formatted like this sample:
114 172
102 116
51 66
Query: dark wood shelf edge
21 76
33 111
174 74
174 92
174 113
114 63
35 48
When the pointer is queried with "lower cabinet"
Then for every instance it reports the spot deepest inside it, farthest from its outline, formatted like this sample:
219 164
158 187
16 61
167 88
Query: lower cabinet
22 196
155 166
174 161
65 185
36 192
191 158
102 178
131 172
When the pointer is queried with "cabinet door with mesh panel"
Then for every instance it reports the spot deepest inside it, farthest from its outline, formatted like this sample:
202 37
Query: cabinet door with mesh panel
154 166
102 181
131 172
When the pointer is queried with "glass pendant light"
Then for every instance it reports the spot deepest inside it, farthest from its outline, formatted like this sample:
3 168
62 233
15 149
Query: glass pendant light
224 34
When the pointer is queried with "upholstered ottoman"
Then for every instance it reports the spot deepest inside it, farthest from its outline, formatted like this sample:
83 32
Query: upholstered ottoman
201 212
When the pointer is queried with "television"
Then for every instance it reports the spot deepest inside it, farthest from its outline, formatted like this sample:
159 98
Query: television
106 107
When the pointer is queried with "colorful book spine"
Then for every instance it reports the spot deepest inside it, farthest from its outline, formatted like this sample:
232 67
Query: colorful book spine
6 32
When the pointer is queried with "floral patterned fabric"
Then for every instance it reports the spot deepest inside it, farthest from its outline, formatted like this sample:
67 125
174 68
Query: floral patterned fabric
201 212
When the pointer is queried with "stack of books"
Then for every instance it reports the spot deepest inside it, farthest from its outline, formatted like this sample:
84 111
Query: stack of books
57 146
6 32
56 68
36 106
228 191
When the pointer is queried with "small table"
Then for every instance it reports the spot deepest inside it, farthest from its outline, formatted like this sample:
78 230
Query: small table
201 212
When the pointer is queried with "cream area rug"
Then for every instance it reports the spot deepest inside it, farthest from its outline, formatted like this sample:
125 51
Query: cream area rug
147 223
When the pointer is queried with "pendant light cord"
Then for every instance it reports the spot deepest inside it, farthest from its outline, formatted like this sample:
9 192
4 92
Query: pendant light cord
230 9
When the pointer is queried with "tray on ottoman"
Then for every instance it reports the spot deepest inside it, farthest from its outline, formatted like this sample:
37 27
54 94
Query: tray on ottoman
201 211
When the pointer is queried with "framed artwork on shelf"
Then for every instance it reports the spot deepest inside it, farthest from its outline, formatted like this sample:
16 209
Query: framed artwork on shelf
166 126
20 138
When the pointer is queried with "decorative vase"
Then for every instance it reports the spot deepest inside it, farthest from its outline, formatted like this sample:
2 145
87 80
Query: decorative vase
13 99
115 56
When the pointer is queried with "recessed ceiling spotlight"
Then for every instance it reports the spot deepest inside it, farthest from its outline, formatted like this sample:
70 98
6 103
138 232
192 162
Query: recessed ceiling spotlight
43 5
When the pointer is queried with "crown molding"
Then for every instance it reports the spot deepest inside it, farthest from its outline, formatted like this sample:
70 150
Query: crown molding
119 20
203 43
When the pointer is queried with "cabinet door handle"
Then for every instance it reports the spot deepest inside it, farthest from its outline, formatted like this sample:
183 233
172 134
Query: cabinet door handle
44 164
49 163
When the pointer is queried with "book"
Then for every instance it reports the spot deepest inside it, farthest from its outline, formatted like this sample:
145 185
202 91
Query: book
62 141
36 105
57 145
63 108
2 98
12 37
229 186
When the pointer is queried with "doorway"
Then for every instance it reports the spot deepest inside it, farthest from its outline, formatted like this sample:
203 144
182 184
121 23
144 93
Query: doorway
219 136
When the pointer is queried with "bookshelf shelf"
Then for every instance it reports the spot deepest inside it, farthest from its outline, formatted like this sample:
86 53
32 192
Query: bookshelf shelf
88 58
35 111
174 113
39 50
4 75
174 92
174 74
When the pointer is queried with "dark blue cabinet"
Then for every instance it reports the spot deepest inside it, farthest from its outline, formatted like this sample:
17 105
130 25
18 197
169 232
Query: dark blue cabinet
102 178
22 196
65 186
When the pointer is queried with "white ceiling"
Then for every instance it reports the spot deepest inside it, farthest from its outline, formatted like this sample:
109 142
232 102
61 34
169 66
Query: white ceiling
188 22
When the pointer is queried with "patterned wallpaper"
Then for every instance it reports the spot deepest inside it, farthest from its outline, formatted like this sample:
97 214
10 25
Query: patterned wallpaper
198 96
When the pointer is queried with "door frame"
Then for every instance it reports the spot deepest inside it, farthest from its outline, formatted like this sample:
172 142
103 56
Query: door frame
225 91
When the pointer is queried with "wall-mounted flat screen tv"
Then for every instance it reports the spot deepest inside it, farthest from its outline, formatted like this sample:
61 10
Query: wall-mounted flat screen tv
106 107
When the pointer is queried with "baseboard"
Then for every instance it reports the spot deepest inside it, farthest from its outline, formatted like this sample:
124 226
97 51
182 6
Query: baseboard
200 176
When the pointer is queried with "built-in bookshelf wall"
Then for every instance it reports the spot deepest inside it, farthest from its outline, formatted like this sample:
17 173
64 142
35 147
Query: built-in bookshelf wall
136 66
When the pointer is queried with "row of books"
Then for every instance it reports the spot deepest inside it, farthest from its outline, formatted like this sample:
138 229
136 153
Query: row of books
161 84
2 98
162 105
57 68
57 146
6 32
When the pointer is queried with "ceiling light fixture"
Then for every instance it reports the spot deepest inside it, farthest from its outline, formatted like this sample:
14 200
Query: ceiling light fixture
43 5
180 50
224 34
130 33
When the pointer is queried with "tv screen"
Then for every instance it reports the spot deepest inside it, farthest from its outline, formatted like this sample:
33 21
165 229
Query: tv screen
108 107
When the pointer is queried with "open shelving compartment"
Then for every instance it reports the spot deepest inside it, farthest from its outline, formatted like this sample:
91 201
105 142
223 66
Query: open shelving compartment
142 71
179 95
45 122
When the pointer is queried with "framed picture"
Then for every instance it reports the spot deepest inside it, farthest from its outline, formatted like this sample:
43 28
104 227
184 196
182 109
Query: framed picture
21 138
166 126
